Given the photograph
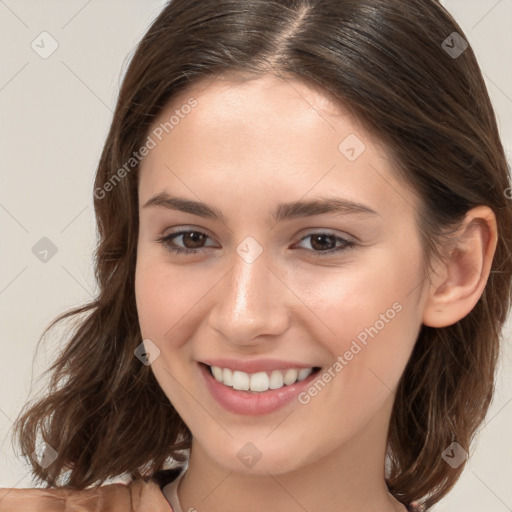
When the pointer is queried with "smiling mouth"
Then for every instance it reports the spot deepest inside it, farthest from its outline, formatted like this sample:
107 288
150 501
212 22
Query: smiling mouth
261 381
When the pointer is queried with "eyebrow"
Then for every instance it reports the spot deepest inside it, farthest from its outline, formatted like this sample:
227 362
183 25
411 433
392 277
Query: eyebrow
284 211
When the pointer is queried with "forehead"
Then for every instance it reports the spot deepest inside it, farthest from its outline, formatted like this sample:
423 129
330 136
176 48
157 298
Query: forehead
265 102
266 88
266 136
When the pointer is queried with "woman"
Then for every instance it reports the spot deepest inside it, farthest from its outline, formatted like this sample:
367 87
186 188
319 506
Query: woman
304 268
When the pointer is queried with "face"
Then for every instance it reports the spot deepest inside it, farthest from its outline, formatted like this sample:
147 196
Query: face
298 273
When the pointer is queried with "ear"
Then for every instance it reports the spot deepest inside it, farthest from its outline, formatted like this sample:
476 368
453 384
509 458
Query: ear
461 277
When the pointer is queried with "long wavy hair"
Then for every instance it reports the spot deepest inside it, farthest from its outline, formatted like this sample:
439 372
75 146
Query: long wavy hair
387 61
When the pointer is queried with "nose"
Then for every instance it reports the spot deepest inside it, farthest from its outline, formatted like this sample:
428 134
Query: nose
250 302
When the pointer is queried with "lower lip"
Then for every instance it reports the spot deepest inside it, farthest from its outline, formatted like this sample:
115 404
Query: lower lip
253 404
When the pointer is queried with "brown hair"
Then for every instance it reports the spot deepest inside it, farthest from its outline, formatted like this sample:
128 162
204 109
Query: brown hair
105 413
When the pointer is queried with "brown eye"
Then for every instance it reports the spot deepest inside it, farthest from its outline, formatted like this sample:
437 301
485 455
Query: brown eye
325 244
192 241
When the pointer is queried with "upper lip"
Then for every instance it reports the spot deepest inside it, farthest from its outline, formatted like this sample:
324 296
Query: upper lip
255 365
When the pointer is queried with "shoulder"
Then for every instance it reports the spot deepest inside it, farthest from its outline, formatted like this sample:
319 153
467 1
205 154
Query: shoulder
136 496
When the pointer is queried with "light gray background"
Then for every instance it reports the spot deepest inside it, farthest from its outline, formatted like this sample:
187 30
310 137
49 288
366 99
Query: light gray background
54 116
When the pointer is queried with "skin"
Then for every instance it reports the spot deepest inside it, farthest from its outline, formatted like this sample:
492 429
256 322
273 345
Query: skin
245 148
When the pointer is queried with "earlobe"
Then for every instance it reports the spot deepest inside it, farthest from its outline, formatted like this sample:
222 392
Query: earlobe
460 279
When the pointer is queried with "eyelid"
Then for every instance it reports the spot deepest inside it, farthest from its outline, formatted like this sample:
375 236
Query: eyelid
172 235
329 232
347 241
308 232
186 229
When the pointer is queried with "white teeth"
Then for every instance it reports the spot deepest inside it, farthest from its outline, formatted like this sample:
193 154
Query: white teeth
304 373
227 376
290 376
241 380
261 381
276 380
218 373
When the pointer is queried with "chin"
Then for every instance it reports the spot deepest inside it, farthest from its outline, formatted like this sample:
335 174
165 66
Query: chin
259 458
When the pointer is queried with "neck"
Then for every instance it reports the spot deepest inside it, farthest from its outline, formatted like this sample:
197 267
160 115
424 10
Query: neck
349 479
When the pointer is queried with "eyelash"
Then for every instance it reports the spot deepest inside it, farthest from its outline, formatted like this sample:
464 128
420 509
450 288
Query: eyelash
164 240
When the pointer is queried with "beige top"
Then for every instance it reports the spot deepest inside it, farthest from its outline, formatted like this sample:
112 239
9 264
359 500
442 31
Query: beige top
137 496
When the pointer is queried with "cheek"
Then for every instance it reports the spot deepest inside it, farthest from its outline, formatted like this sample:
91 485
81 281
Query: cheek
371 316
354 298
164 300
151 301
164 297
